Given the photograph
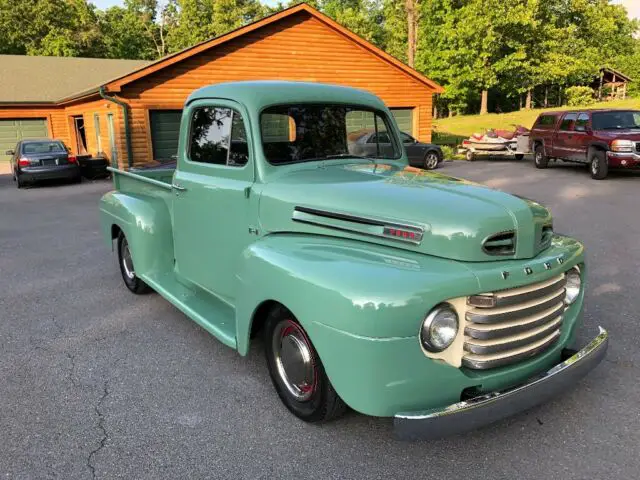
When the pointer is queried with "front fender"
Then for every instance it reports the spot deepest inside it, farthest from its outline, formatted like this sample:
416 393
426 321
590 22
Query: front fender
351 286
362 306
146 222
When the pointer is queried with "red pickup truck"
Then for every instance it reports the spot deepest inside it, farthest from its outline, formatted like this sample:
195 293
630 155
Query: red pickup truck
602 139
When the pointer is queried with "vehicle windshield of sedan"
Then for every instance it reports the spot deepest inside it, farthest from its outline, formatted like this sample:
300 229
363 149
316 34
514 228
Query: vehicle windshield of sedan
311 132
616 120
42 147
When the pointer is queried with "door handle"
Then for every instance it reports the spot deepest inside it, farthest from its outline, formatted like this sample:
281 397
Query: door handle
180 188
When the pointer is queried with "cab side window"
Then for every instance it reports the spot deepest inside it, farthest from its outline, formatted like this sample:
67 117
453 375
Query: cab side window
218 136
568 121
582 122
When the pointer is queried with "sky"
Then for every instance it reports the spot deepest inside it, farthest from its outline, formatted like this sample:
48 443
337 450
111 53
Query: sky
633 6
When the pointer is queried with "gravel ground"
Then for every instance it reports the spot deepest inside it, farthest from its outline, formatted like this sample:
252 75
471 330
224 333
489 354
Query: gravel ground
98 383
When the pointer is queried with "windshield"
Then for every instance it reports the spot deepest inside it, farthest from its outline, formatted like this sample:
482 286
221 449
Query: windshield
42 147
309 132
616 120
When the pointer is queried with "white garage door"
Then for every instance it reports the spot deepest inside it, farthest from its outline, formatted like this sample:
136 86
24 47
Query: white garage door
13 130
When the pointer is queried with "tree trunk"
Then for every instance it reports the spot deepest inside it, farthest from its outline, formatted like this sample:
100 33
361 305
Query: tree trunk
527 103
450 113
546 96
412 21
435 110
484 102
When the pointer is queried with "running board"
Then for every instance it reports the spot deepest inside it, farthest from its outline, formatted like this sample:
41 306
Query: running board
215 316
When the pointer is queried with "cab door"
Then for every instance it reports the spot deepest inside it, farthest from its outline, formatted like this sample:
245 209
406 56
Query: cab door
581 138
563 139
212 187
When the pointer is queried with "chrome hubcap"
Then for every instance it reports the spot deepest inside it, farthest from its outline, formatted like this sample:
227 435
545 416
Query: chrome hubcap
538 157
432 160
594 166
127 263
294 360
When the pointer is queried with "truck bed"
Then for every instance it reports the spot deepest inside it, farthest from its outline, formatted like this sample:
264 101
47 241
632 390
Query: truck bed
142 180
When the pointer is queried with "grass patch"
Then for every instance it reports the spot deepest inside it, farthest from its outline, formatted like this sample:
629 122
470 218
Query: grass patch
462 126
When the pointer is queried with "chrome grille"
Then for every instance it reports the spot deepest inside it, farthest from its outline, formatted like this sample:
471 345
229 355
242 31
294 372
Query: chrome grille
511 325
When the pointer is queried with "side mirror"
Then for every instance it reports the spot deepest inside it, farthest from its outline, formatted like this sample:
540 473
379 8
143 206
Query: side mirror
9 152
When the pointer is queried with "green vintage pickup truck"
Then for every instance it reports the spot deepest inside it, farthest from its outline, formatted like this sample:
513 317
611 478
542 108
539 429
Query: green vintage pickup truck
391 290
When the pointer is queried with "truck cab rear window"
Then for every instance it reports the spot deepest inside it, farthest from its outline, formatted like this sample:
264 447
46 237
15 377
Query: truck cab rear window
218 136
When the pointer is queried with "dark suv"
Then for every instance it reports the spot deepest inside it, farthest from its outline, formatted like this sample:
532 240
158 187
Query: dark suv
603 139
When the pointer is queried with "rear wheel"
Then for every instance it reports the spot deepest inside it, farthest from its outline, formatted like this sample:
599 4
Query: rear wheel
19 182
539 158
125 260
296 370
470 156
431 160
598 165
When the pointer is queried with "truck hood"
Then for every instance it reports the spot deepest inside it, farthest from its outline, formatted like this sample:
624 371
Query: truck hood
406 208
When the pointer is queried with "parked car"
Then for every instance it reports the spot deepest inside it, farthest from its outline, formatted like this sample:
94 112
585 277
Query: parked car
45 159
374 285
602 139
420 154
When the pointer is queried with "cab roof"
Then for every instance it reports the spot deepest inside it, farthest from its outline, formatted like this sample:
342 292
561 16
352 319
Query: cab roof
256 95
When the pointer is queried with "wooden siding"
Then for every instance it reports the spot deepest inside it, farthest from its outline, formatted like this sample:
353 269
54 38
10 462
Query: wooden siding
87 109
299 47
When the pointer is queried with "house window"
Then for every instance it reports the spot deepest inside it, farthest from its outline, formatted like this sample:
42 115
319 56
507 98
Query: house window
218 136
96 127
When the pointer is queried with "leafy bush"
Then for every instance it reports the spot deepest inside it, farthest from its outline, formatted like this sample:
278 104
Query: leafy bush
579 96
450 153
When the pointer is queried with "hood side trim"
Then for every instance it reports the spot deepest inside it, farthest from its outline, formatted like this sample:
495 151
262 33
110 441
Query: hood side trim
360 225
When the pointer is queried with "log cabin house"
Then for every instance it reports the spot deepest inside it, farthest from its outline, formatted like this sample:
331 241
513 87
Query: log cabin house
129 111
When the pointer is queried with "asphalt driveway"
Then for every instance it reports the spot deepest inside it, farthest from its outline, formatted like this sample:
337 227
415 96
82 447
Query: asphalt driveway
98 383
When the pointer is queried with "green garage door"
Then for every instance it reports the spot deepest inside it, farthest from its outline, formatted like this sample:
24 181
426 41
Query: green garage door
404 119
165 130
13 130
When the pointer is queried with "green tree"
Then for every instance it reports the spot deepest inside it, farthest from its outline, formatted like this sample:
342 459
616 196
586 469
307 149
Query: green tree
193 21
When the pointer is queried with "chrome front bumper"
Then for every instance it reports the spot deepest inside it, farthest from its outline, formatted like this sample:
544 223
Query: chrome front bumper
491 407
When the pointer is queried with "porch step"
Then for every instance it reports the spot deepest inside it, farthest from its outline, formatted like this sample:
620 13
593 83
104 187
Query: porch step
215 316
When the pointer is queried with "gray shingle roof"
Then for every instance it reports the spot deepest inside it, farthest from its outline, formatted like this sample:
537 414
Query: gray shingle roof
49 79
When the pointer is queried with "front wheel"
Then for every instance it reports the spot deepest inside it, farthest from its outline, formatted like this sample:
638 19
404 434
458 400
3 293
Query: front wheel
598 165
431 160
296 370
125 260
539 158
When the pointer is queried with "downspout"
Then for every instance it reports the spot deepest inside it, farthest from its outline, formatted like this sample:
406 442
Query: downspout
125 113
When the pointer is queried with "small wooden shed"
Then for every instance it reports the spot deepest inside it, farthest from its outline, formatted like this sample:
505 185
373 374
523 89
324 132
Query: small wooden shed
134 117
611 84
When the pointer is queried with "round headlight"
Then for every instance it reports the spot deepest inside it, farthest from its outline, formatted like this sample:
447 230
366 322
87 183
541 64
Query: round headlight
439 329
573 286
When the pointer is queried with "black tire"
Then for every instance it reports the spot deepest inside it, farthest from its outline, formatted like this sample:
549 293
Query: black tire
19 182
314 401
519 156
129 277
598 166
431 160
76 180
539 158
470 156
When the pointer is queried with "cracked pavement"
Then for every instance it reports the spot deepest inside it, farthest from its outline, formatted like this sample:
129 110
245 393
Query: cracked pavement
98 383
